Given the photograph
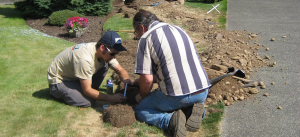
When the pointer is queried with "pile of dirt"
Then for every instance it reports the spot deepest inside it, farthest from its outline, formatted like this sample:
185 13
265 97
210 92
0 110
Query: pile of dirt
119 115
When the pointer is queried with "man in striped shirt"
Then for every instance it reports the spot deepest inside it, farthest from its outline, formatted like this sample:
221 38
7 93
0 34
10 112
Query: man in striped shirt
166 55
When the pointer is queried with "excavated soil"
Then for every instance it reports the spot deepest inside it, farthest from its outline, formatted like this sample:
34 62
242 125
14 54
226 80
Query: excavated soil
217 49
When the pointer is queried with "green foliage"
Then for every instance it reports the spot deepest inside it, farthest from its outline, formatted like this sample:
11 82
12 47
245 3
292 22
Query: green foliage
58 18
44 8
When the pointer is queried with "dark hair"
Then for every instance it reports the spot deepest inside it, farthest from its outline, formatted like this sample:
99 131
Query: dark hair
144 18
100 43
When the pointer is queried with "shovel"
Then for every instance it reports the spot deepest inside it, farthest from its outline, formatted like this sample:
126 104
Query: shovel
231 72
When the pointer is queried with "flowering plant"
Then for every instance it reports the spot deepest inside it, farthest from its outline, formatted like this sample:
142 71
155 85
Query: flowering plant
76 23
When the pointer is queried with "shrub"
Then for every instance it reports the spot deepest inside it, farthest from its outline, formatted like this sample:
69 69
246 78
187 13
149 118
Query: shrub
58 18
44 8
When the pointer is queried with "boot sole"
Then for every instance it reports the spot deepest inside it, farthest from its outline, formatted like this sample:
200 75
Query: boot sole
193 123
181 129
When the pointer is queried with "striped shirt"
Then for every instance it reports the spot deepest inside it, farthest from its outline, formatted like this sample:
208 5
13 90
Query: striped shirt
168 52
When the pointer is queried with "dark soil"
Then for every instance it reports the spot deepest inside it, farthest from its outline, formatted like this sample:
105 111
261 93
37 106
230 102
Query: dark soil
119 115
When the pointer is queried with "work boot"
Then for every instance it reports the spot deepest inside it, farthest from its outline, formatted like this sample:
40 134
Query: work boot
194 117
177 124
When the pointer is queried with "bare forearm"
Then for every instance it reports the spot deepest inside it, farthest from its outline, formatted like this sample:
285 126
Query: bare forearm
146 82
94 94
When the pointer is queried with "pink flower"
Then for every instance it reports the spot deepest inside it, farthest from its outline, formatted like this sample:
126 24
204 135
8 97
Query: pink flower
76 23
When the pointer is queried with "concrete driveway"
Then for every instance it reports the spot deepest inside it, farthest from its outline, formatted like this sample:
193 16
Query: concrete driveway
260 116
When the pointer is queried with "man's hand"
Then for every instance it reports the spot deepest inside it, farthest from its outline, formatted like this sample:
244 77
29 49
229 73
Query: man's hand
117 98
138 98
127 81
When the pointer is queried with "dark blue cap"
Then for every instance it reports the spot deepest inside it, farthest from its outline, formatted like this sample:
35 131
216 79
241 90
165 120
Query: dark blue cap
112 39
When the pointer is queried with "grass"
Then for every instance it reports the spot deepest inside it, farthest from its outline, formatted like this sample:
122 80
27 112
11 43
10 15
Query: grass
211 122
220 18
119 23
26 106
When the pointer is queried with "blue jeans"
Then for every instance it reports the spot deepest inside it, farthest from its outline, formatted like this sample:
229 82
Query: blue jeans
157 108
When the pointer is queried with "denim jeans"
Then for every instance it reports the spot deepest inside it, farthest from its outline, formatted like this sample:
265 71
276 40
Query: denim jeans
157 108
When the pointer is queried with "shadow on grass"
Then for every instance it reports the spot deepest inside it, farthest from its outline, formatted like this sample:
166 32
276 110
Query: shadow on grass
45 94
10 12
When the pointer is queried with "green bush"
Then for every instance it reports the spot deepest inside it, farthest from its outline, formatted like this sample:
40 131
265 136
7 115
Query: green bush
44 8
58 18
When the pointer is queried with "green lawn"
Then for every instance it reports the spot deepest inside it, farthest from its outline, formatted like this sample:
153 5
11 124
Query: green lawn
26 106
220 18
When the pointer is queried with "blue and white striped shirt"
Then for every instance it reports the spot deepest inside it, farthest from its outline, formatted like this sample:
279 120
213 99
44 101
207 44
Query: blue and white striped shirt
168 52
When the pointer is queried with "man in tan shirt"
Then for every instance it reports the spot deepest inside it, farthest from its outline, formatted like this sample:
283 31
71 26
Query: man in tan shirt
76 73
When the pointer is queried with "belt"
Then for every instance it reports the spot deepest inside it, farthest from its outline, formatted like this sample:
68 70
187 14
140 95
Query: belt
198 92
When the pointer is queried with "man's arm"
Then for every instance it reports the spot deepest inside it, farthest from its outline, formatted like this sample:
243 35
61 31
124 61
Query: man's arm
122 73
146 82
94 94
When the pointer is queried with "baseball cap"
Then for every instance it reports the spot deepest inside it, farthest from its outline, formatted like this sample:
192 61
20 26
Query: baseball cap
112 39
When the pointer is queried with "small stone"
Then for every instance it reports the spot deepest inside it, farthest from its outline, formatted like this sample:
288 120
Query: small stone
243 62
253 35
283 36
227 83
227 104
267 49
241 98
263 86
212 95
253 91
272 83
267 57
227 97
266 94
272 39
208 100
235 98
235 58
279 107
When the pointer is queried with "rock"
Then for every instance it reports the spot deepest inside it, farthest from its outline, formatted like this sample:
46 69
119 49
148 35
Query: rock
267 49
272 83
253 91
241 97
225 64
267 57
181 2
243 62
261 83
235 58
235 98
227 97
227 104
219 36
272 39
253 35
211 95
219 67
279 107
283 36
227 83
266 94
208 100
